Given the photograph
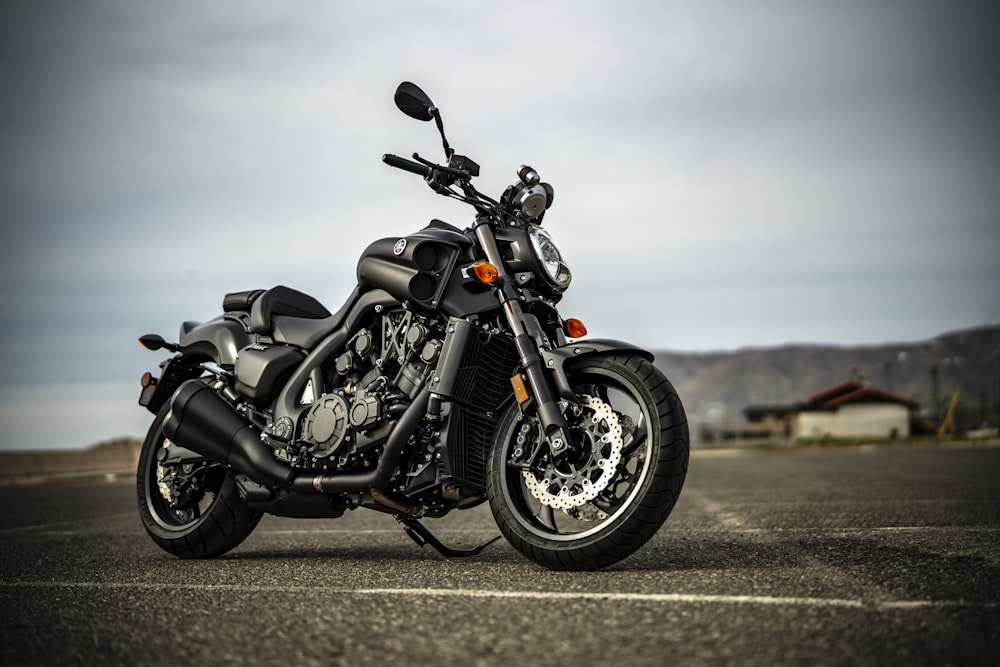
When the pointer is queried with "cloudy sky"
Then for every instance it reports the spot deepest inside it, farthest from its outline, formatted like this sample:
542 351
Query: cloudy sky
727 174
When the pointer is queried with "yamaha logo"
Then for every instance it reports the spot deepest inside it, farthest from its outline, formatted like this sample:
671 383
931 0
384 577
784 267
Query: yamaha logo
399 247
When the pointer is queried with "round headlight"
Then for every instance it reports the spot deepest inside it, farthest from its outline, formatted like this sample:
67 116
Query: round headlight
550 258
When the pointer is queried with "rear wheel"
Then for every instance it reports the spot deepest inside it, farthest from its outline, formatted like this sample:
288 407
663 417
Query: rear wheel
192 510
603 496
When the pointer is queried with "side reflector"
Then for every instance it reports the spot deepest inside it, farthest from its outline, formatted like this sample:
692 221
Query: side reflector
485 272
574 328
520 389
146 380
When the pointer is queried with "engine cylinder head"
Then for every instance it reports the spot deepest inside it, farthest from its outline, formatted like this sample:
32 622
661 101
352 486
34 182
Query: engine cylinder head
363 343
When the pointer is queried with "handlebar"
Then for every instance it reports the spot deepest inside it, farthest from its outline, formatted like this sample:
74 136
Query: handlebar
440 178
423 167
406 165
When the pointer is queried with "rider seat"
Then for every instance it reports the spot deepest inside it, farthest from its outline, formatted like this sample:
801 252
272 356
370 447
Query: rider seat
286 301
294 318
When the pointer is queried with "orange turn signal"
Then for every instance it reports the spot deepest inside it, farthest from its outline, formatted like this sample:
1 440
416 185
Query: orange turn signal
485 272
574 328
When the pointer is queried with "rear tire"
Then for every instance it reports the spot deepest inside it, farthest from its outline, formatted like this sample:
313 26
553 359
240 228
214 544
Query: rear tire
611 490
206 518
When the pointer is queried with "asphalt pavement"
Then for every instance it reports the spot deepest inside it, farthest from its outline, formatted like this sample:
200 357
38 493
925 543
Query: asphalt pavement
859 556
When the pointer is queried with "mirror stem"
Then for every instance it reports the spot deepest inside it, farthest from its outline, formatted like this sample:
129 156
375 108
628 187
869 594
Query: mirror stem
448 150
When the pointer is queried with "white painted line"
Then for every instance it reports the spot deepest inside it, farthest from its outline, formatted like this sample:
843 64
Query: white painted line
824 531
660 598
916 529
76 523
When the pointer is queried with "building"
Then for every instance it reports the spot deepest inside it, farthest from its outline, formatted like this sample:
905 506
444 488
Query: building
772 421
850 409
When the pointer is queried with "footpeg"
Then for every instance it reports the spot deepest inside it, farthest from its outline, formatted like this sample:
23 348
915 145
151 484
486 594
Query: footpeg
419 534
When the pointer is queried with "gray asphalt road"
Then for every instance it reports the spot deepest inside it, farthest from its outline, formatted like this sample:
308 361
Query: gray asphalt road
836 556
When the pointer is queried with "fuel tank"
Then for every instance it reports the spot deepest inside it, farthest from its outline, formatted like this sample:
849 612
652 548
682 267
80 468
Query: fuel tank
414 268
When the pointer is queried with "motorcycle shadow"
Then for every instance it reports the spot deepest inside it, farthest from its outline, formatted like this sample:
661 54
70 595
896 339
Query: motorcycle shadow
373 553
908 566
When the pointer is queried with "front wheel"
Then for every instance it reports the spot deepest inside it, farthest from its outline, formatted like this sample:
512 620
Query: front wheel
192 510
598 500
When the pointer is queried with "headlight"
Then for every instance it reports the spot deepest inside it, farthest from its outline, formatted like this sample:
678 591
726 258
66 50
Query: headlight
550 258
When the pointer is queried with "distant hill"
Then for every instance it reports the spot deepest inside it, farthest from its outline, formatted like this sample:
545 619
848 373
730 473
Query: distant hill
715 387
118 455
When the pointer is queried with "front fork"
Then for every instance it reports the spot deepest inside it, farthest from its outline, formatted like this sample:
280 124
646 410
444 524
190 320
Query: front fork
550 415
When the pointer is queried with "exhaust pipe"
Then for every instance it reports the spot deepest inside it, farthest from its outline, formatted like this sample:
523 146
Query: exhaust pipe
204 423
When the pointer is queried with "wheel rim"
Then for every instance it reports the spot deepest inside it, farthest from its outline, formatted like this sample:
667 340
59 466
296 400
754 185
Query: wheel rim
179 495
552 499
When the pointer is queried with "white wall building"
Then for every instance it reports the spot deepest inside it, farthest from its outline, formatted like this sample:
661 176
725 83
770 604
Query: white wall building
852 410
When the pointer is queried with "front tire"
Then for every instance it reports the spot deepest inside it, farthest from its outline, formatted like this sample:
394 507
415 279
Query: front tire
191 510
603 497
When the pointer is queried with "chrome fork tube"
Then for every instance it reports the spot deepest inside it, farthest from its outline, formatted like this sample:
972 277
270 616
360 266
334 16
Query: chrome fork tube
549 413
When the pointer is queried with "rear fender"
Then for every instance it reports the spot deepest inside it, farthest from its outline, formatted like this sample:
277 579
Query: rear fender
173 372
556 360
219 339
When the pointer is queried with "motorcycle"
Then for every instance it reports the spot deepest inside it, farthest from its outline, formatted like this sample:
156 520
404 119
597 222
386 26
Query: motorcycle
447 379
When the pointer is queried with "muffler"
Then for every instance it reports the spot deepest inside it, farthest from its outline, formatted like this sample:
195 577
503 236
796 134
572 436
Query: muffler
204 423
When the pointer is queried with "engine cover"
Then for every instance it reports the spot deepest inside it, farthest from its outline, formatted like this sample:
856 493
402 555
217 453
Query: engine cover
326 426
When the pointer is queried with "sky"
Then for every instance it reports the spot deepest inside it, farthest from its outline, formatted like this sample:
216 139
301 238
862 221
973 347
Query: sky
727 174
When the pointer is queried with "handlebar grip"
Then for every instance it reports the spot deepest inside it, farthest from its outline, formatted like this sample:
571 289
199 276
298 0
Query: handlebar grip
406 165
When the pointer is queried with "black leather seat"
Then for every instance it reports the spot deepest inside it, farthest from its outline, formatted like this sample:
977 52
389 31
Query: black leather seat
283 300
240 302
294 318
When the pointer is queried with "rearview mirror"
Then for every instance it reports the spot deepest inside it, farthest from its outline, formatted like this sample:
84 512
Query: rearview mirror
413 102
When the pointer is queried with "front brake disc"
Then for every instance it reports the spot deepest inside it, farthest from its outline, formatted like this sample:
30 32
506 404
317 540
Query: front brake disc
581 474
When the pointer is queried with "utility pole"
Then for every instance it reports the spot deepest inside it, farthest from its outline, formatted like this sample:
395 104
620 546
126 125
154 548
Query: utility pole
951 413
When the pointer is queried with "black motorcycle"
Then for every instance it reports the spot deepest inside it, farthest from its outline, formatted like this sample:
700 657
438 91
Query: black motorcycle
446 380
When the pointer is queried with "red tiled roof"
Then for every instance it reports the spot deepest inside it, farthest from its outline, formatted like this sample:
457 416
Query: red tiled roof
869 394
853 391
818 399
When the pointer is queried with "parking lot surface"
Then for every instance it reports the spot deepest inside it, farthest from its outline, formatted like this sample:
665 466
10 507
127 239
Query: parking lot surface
861 556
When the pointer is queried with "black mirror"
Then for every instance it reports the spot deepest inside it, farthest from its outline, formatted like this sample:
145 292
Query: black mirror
413 102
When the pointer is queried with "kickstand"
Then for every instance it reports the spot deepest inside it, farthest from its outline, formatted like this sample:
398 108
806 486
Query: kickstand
419 534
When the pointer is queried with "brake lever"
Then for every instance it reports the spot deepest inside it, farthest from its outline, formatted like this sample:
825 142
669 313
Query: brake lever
458 173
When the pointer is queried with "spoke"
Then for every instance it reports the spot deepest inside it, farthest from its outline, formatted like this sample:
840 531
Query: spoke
633 443
603 504
547 517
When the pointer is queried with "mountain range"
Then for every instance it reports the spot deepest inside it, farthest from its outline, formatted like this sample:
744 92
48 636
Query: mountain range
715 387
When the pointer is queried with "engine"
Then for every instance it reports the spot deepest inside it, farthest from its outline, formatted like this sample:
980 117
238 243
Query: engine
372 381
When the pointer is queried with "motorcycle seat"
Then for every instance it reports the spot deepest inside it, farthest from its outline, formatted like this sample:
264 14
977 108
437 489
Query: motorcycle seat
294 318
240 302
283 300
